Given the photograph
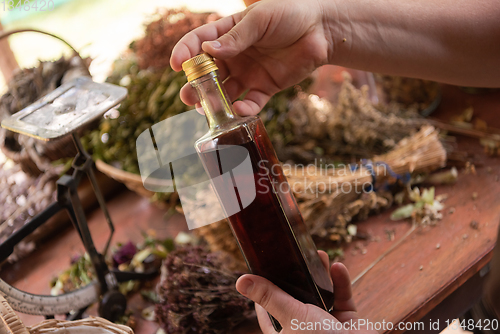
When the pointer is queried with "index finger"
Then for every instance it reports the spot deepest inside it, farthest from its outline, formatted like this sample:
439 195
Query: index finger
190 45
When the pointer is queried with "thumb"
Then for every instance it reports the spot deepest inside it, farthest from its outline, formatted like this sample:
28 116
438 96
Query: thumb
278 303
246 32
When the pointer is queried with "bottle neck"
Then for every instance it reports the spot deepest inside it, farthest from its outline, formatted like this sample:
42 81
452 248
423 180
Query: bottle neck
214 100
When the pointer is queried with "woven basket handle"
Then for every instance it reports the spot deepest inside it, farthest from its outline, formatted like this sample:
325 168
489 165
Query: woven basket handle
6 34
9 321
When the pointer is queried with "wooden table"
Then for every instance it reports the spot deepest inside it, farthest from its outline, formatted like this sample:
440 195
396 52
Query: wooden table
419 275
418 280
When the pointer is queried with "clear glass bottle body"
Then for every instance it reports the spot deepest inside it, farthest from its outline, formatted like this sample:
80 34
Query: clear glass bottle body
270 229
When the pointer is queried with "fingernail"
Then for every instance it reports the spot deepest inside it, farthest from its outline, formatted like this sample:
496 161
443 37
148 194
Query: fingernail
246 286
215 44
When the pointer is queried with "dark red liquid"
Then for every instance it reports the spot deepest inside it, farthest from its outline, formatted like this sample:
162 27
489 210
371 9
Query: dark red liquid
270 230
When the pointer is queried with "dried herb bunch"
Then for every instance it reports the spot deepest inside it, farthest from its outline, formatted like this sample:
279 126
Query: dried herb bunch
29 84
275 117
304 127
360 126
152 97
220 238
339 194
409 92
198 295
155 48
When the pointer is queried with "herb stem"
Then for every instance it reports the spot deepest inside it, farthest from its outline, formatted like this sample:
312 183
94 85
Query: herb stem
374 263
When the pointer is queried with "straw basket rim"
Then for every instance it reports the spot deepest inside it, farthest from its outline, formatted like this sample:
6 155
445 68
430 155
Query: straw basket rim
130 180
117 173
133 182
52 324
9 321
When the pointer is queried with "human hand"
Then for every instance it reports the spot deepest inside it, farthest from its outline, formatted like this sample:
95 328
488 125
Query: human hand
294 315
268 47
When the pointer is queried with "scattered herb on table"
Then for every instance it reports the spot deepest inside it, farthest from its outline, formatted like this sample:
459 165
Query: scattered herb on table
425 208
127 257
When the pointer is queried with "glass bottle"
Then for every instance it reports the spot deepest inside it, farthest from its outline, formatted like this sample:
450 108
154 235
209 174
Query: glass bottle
253 191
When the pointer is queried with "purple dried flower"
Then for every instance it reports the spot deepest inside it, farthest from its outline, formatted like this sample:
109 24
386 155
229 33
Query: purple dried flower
75 259
125 254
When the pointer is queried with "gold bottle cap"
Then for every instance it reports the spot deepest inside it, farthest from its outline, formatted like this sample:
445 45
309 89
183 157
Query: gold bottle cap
199 66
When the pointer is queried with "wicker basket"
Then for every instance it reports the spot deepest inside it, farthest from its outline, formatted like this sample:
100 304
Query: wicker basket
9 321
92 325
30 153
11 324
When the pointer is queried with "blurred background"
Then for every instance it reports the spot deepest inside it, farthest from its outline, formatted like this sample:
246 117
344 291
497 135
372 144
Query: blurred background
100 29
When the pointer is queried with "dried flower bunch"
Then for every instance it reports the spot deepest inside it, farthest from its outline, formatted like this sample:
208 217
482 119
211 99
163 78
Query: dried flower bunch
306 127
29 84
152 97
23 196
198 295
360 126
220 238
340 192
281 131
155 48
410 92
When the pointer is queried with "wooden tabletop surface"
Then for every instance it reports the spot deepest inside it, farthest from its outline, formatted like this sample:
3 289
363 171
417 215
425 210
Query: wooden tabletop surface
404 286
418 274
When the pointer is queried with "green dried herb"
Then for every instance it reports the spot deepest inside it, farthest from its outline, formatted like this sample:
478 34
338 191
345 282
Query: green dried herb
425 209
